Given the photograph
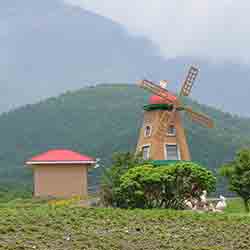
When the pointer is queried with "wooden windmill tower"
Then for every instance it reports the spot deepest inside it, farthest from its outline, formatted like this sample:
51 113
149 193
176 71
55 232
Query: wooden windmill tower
162 136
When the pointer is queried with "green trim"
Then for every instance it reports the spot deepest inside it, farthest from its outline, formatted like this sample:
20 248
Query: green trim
151 107
166 162
163 106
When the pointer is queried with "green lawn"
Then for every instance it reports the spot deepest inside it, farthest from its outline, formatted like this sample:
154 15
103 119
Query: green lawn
235 206
31 224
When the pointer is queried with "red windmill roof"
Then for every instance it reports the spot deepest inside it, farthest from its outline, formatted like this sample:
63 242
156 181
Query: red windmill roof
60 156
155 99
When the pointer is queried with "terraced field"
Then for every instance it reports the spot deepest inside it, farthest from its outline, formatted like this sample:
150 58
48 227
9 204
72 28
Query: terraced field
26 224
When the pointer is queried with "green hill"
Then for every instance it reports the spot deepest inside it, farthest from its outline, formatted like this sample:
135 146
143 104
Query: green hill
99 121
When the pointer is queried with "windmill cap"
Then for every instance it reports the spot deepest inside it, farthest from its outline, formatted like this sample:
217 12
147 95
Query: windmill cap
155 99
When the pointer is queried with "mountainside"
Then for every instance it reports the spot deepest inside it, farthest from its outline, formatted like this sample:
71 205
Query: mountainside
48 47
99 121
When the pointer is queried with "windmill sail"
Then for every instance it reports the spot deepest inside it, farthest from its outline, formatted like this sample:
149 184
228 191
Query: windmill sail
156 89
189 81
165 120
199 118
162 124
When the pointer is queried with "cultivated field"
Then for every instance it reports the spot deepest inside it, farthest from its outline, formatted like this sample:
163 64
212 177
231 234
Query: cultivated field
30 224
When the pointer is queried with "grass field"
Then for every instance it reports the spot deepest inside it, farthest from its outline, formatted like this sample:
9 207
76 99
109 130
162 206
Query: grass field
32 224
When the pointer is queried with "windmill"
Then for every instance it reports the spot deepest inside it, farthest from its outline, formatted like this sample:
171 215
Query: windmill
162 136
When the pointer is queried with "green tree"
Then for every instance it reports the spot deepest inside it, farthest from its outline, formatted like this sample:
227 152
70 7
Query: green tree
149 186
237 173
111 194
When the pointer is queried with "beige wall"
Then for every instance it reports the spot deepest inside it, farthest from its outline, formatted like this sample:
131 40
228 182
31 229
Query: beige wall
158 141
60 180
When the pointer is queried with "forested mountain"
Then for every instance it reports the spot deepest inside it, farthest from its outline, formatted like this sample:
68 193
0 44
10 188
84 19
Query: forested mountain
99 121
48 47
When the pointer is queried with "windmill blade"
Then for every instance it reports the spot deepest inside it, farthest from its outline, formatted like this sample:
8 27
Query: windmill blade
156 89
189 81
165 119
199 118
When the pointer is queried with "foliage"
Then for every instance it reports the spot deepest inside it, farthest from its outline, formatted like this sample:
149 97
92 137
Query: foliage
238 174
110 188
30 224
98 121
64 202
148 186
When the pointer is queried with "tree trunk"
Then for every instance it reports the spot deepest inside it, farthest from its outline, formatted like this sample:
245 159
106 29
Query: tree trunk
246 206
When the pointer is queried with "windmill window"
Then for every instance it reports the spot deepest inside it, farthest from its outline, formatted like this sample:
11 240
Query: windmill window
172 152
147 131
171 130
146 152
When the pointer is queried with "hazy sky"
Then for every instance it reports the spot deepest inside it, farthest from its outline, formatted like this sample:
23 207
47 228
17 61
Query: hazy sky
218 29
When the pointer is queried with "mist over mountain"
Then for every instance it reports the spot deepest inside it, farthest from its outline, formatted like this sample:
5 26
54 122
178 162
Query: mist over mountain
48 47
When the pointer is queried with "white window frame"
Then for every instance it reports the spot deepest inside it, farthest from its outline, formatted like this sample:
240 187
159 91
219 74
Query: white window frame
171 144
171 134
150 126
146 145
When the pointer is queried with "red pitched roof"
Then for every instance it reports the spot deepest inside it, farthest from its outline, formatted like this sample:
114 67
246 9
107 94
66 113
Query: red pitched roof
60 156
155 99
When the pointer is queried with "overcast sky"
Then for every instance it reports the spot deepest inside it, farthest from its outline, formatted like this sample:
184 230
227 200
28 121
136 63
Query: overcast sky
218 29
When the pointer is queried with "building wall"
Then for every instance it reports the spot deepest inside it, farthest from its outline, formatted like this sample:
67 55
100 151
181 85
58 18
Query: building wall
158 141
60 180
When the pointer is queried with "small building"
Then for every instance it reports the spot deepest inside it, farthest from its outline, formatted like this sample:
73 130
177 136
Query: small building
60 173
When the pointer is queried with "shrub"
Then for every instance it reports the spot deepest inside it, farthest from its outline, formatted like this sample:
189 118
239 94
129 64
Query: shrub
134 183
148 186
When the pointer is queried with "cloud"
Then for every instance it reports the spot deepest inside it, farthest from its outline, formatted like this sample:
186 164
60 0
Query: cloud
218 30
